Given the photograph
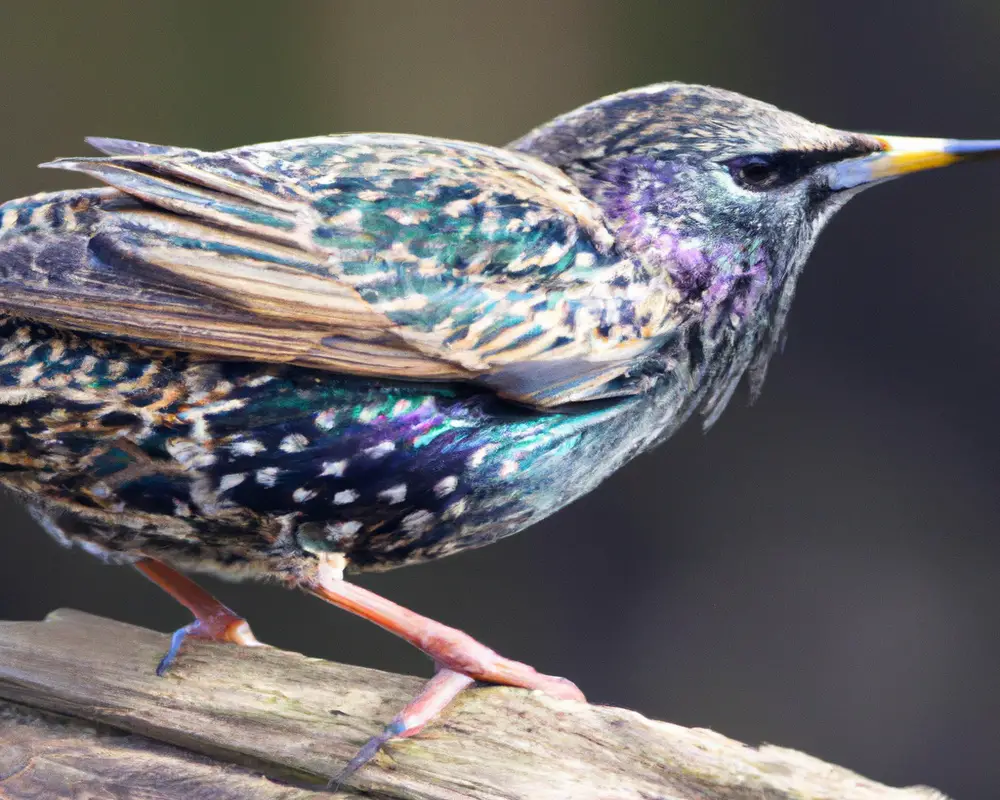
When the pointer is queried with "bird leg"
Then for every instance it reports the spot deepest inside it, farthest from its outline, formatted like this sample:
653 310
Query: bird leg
212 620
461 660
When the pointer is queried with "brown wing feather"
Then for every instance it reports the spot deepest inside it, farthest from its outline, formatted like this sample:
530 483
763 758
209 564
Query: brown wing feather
59 265
389 256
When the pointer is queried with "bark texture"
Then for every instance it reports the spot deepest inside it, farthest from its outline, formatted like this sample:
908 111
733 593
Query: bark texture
85 712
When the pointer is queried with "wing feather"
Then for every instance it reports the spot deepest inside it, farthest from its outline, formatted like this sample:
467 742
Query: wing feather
371 254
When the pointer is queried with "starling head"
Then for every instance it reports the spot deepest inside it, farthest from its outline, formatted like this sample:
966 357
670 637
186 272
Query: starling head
726 195
675 164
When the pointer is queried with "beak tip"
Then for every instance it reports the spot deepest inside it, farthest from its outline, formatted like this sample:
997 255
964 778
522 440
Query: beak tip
968 147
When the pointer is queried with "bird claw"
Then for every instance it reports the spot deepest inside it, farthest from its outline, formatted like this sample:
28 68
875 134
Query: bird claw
436 695
224 626
370 749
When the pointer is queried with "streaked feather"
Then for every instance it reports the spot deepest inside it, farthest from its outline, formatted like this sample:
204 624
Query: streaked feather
397 256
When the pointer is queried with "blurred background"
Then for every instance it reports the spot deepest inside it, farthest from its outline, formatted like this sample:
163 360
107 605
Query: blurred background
820 571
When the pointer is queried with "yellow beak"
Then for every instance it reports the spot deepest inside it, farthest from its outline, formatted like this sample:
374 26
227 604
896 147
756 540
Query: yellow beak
903 154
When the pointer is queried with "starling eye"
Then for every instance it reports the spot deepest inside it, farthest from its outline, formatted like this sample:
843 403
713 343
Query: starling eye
758 173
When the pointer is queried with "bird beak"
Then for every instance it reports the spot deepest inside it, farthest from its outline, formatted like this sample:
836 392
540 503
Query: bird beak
903 154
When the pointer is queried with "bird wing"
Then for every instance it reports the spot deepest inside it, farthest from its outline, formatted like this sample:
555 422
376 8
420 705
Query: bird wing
379 255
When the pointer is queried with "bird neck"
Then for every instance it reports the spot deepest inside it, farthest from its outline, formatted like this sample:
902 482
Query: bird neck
735 288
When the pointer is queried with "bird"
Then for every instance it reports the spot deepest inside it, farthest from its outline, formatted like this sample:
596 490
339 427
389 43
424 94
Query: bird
316 357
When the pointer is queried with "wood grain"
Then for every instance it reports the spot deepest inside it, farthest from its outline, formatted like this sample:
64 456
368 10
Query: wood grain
226 716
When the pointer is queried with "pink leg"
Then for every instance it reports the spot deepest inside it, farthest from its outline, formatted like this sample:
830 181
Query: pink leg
450 648
213 620
460 658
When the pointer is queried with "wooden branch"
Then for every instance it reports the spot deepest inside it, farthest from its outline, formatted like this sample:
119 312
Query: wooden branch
225 717
46 756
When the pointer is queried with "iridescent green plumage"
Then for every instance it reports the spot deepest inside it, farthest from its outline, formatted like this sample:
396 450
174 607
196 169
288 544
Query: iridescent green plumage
235 466
377 255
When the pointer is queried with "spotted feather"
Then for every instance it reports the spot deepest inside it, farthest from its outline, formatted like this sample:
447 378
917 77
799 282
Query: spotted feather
397 256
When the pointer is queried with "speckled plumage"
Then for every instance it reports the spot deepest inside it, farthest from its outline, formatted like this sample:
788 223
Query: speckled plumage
382 255
391 347
241 466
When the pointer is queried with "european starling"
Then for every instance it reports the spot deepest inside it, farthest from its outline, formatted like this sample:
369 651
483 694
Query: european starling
363 351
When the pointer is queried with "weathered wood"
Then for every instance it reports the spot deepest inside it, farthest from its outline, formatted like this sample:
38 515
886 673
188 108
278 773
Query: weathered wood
46 756
297 720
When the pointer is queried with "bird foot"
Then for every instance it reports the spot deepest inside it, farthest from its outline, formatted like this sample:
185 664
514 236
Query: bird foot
461 661
213 621
433 698
224 626
454 650
436 695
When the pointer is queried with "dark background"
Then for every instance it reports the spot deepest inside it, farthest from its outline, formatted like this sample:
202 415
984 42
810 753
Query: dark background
818 572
